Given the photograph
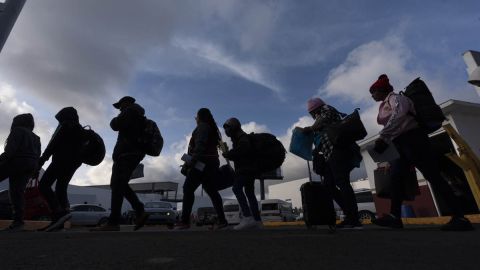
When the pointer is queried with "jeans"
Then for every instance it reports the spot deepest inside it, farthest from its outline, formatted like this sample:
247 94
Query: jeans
62 173
122 170
194 179
414 148
249 208
18 177
337 179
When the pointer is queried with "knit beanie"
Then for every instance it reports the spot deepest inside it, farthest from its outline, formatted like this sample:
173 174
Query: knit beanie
314 103
382 84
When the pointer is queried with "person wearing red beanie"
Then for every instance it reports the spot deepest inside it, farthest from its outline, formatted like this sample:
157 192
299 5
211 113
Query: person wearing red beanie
397 115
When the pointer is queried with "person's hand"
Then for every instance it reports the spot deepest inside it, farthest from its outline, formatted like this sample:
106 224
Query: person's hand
380 146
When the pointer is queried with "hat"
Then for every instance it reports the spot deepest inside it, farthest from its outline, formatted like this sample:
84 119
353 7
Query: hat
233 123
126 99
383 84
314 103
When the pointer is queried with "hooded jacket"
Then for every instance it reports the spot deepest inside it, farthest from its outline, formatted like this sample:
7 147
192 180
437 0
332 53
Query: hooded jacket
242 153
129 124
203 145
65 144
22 148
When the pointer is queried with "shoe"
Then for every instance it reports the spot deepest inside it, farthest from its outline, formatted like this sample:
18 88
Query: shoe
181 226
140 221
246 223
350 225
458 224
107 228
221 225
46 227
58 224
258 224
15 227
389 221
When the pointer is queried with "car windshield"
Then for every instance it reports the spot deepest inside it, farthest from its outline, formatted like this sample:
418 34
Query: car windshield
269 206
231 208
157 205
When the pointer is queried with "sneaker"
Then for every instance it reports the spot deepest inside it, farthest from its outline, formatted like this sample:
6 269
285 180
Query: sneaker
181 226
458 224
246 223
15 227
107 228
221 225
58 224
389 221
349 225
46 227
140 221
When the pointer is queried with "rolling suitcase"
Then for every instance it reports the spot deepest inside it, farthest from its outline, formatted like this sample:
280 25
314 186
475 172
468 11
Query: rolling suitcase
317 204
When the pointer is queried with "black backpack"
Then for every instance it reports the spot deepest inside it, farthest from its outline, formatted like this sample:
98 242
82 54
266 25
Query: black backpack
429 115
151 140
269 153
92 151
349 129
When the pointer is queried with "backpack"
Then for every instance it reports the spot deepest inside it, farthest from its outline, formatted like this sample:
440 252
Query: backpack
151 140
429 115
349 129
269 153
92 151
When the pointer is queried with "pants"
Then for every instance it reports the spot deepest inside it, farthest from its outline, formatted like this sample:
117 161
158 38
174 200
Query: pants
194 179
337 179
414 148
61 173
18 175
122 170
249 208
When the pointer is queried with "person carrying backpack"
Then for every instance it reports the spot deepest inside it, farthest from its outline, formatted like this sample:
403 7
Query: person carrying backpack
19 163
127 155
397 115
202 168
339 161
242 155
64 148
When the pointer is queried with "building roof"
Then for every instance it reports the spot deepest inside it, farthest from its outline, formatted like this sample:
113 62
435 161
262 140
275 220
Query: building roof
148 187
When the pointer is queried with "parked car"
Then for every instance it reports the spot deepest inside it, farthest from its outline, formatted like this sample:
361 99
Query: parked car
88 215
232 212
205 216
276 210
161 212
366 205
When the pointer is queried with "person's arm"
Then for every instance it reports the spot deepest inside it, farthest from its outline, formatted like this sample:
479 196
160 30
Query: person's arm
242 149
13 142
53 144
400 112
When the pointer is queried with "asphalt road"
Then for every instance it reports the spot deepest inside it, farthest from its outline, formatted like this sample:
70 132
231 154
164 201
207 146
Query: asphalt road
269 249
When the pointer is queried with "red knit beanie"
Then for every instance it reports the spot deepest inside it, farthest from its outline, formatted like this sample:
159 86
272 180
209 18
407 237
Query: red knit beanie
382 84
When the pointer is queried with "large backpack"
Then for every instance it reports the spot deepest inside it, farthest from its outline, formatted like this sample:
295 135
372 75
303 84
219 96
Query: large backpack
428 114
269 153
92 151
349 129
151 140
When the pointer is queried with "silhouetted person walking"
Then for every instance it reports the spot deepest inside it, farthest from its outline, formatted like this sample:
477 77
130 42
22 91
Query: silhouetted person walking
127 155
397 115
242 155
203 149
18 163
64 148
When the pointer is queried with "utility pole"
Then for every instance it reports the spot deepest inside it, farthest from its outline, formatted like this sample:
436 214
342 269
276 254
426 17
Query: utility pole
9 11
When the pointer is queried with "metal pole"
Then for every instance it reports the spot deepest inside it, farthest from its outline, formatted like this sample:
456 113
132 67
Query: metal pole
309 171
9 12
262 189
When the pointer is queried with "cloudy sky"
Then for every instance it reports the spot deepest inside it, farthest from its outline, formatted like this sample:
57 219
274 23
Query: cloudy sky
256 60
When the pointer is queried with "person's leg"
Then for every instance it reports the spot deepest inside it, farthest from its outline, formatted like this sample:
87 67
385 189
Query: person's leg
121 172
329 182
129 194
65 175
252 198
45 187
192 182
398 168
237 189
207 180
18 183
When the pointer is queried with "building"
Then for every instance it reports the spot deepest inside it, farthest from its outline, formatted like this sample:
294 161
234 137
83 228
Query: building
9 11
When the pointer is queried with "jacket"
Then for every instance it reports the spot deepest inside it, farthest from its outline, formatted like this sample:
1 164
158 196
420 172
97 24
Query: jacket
66 142
203 144
396 114
129 124
242 154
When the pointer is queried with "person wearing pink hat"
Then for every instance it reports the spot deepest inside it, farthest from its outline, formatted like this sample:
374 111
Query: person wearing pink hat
397 116
339 161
